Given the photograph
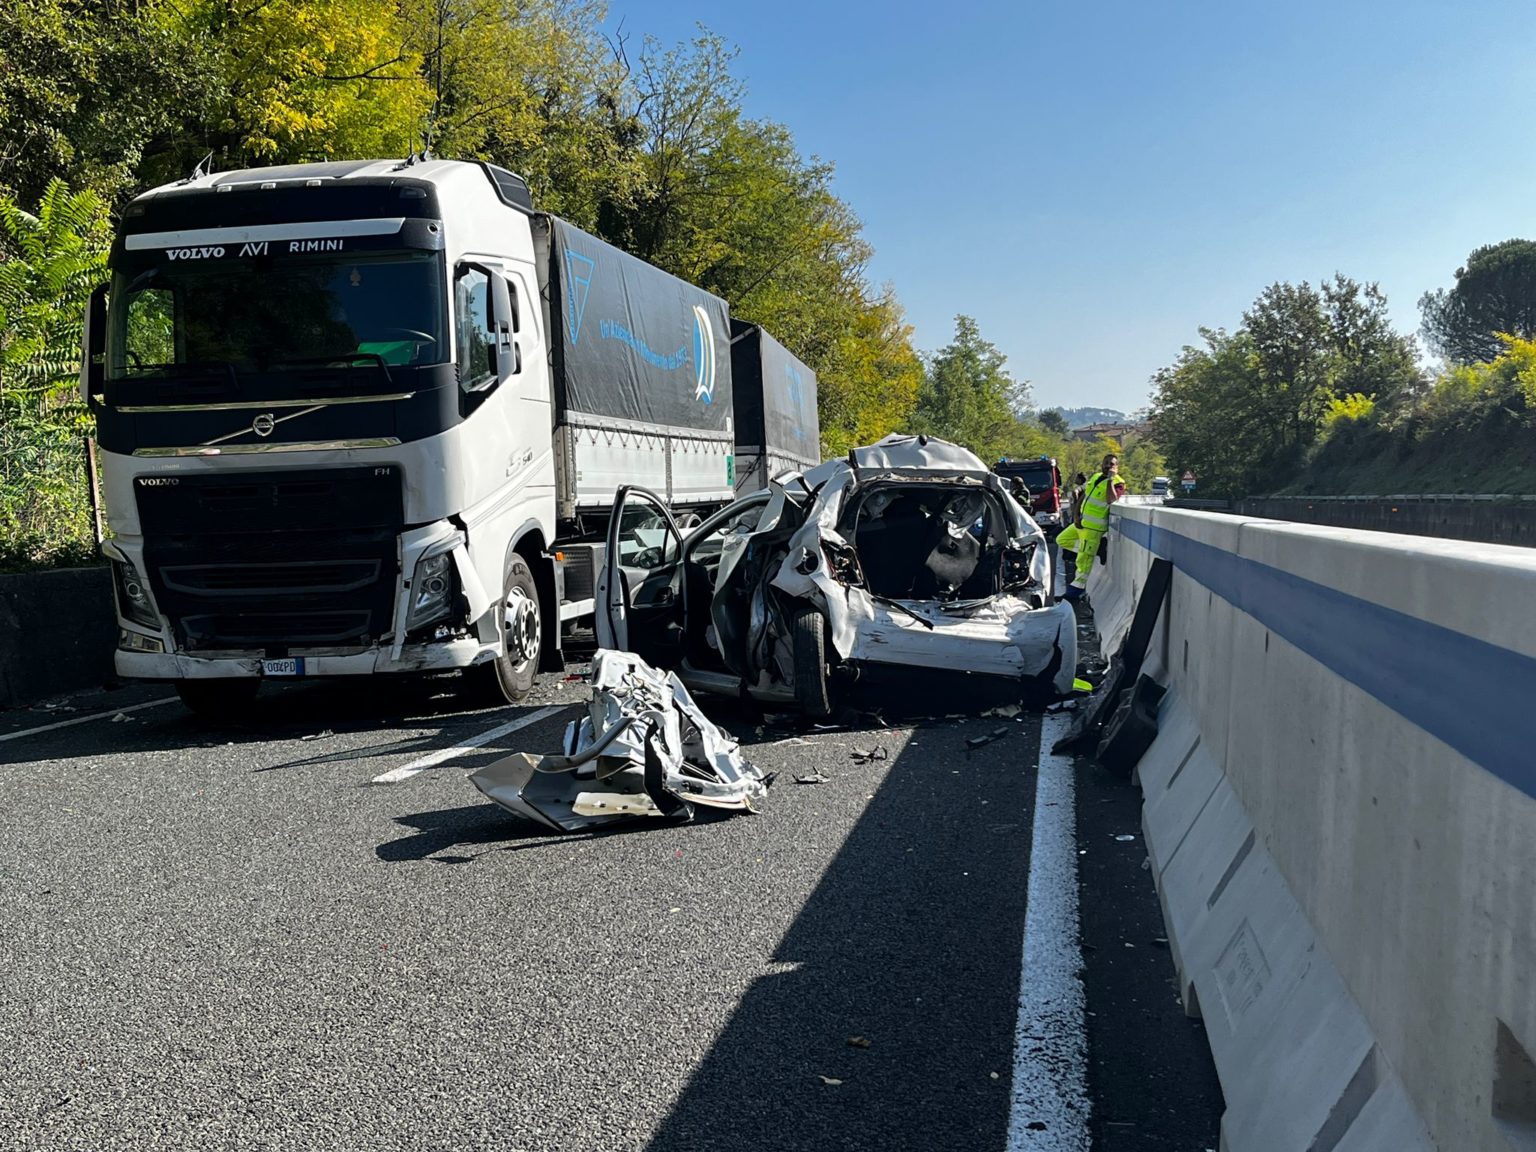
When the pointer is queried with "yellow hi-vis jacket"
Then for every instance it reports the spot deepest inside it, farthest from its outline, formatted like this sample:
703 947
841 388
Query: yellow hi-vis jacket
1096 503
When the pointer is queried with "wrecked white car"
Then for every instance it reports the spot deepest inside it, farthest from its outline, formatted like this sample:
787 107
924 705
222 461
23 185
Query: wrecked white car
909 559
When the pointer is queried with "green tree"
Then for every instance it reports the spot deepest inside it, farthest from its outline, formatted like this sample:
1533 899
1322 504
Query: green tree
1055 423
534 88
1495 292
968 394
1245 411
60 257
89 91
294 80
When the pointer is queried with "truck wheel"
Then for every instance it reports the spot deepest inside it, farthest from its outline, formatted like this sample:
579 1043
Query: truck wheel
219 699
808 636
519 617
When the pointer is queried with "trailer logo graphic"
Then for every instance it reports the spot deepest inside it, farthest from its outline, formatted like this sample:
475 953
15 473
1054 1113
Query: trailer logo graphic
703 356
578 270
796 397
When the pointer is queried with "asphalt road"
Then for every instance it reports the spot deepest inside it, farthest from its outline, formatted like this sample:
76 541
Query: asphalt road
231 937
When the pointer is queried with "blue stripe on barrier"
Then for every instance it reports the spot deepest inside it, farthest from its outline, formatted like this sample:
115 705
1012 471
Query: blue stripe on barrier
1476 697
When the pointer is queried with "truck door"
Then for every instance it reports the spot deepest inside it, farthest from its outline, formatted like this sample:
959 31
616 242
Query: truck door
639 596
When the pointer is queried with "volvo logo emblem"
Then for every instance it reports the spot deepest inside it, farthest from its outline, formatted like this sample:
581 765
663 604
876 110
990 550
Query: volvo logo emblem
263 424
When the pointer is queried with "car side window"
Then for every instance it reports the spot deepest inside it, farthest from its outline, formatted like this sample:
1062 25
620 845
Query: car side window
646 539
476 345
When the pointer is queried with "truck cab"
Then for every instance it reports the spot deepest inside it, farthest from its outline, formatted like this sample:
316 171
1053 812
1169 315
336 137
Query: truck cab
323 400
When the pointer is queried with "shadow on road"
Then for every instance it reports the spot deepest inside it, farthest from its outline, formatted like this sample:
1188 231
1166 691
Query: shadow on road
909 944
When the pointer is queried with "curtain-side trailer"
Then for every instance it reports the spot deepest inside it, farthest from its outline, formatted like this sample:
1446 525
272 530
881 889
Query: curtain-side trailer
777 430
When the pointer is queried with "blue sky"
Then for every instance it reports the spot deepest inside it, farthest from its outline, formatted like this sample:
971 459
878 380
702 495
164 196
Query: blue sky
1095 181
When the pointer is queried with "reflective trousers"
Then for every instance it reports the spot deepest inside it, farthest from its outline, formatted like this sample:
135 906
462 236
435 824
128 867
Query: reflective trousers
1087 552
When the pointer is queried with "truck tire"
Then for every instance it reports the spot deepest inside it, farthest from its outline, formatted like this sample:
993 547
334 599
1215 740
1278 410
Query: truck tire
219 699
520 619
808 638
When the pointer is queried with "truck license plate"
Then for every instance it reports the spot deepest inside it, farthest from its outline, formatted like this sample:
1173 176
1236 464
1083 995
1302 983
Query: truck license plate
293 666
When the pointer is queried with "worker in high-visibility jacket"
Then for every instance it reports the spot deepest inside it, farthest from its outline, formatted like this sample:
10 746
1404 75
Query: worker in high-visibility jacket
1091 521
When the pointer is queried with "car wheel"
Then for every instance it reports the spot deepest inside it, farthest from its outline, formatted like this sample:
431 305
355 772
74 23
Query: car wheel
219 699
519 618
808 633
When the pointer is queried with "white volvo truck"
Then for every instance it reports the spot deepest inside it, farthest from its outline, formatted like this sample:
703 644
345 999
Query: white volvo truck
368 417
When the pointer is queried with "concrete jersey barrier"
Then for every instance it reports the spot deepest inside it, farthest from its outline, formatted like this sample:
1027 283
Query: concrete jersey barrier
1340 811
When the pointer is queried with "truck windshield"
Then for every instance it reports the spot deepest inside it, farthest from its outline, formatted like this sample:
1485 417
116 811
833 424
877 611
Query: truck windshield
170 317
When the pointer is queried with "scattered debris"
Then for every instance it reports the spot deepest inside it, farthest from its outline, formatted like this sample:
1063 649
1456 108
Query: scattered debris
867 755
1123 839
830 1080
1006 711
645 740
1159 941
813 778
858 1041
792 741
323 734
979 741
121 717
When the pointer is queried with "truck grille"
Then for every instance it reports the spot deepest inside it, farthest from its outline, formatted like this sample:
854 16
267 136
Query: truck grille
274 561
255 579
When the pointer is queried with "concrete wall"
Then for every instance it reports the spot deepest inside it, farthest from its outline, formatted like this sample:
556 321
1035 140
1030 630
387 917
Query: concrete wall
1486 519
57 633
1341 814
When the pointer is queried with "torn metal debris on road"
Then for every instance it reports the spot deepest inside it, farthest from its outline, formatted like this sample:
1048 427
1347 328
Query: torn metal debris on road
644 750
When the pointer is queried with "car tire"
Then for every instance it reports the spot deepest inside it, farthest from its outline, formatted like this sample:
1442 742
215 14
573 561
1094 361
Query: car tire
219 699
808 637
520 619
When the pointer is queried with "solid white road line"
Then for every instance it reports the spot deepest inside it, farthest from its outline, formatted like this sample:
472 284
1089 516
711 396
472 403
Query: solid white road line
86 719
1050 1046
406 771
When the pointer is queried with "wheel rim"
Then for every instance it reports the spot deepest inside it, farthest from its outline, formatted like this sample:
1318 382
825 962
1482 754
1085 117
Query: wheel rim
521 625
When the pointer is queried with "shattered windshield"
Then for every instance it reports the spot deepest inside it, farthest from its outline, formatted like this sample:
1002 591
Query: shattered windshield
170 316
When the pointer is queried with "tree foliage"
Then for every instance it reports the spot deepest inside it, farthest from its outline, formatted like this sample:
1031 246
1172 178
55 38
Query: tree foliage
59 256
1495 293
1244 411
968 395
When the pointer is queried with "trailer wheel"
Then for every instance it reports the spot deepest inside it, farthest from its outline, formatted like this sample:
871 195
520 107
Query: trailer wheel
808 635
219 699
519 617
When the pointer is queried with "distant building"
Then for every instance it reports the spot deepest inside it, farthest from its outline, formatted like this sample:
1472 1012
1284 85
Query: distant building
1120 432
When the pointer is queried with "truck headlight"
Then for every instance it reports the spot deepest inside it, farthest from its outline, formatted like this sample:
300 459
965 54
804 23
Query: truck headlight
133 595
431 590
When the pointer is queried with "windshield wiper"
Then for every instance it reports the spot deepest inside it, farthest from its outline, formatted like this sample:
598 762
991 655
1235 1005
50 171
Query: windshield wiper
348 358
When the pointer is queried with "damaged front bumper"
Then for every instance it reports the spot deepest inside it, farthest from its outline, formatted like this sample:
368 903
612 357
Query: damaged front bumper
644 750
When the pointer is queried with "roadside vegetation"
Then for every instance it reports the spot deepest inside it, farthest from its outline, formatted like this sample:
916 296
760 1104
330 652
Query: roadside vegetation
645 144
1316 394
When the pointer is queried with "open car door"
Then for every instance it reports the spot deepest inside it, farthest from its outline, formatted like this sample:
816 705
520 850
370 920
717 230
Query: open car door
639 595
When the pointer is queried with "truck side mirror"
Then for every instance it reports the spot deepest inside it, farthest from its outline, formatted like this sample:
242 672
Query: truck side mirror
93 344
504 322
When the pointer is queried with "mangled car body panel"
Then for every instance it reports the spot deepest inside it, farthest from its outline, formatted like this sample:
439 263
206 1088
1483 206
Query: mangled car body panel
644 749
911 551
